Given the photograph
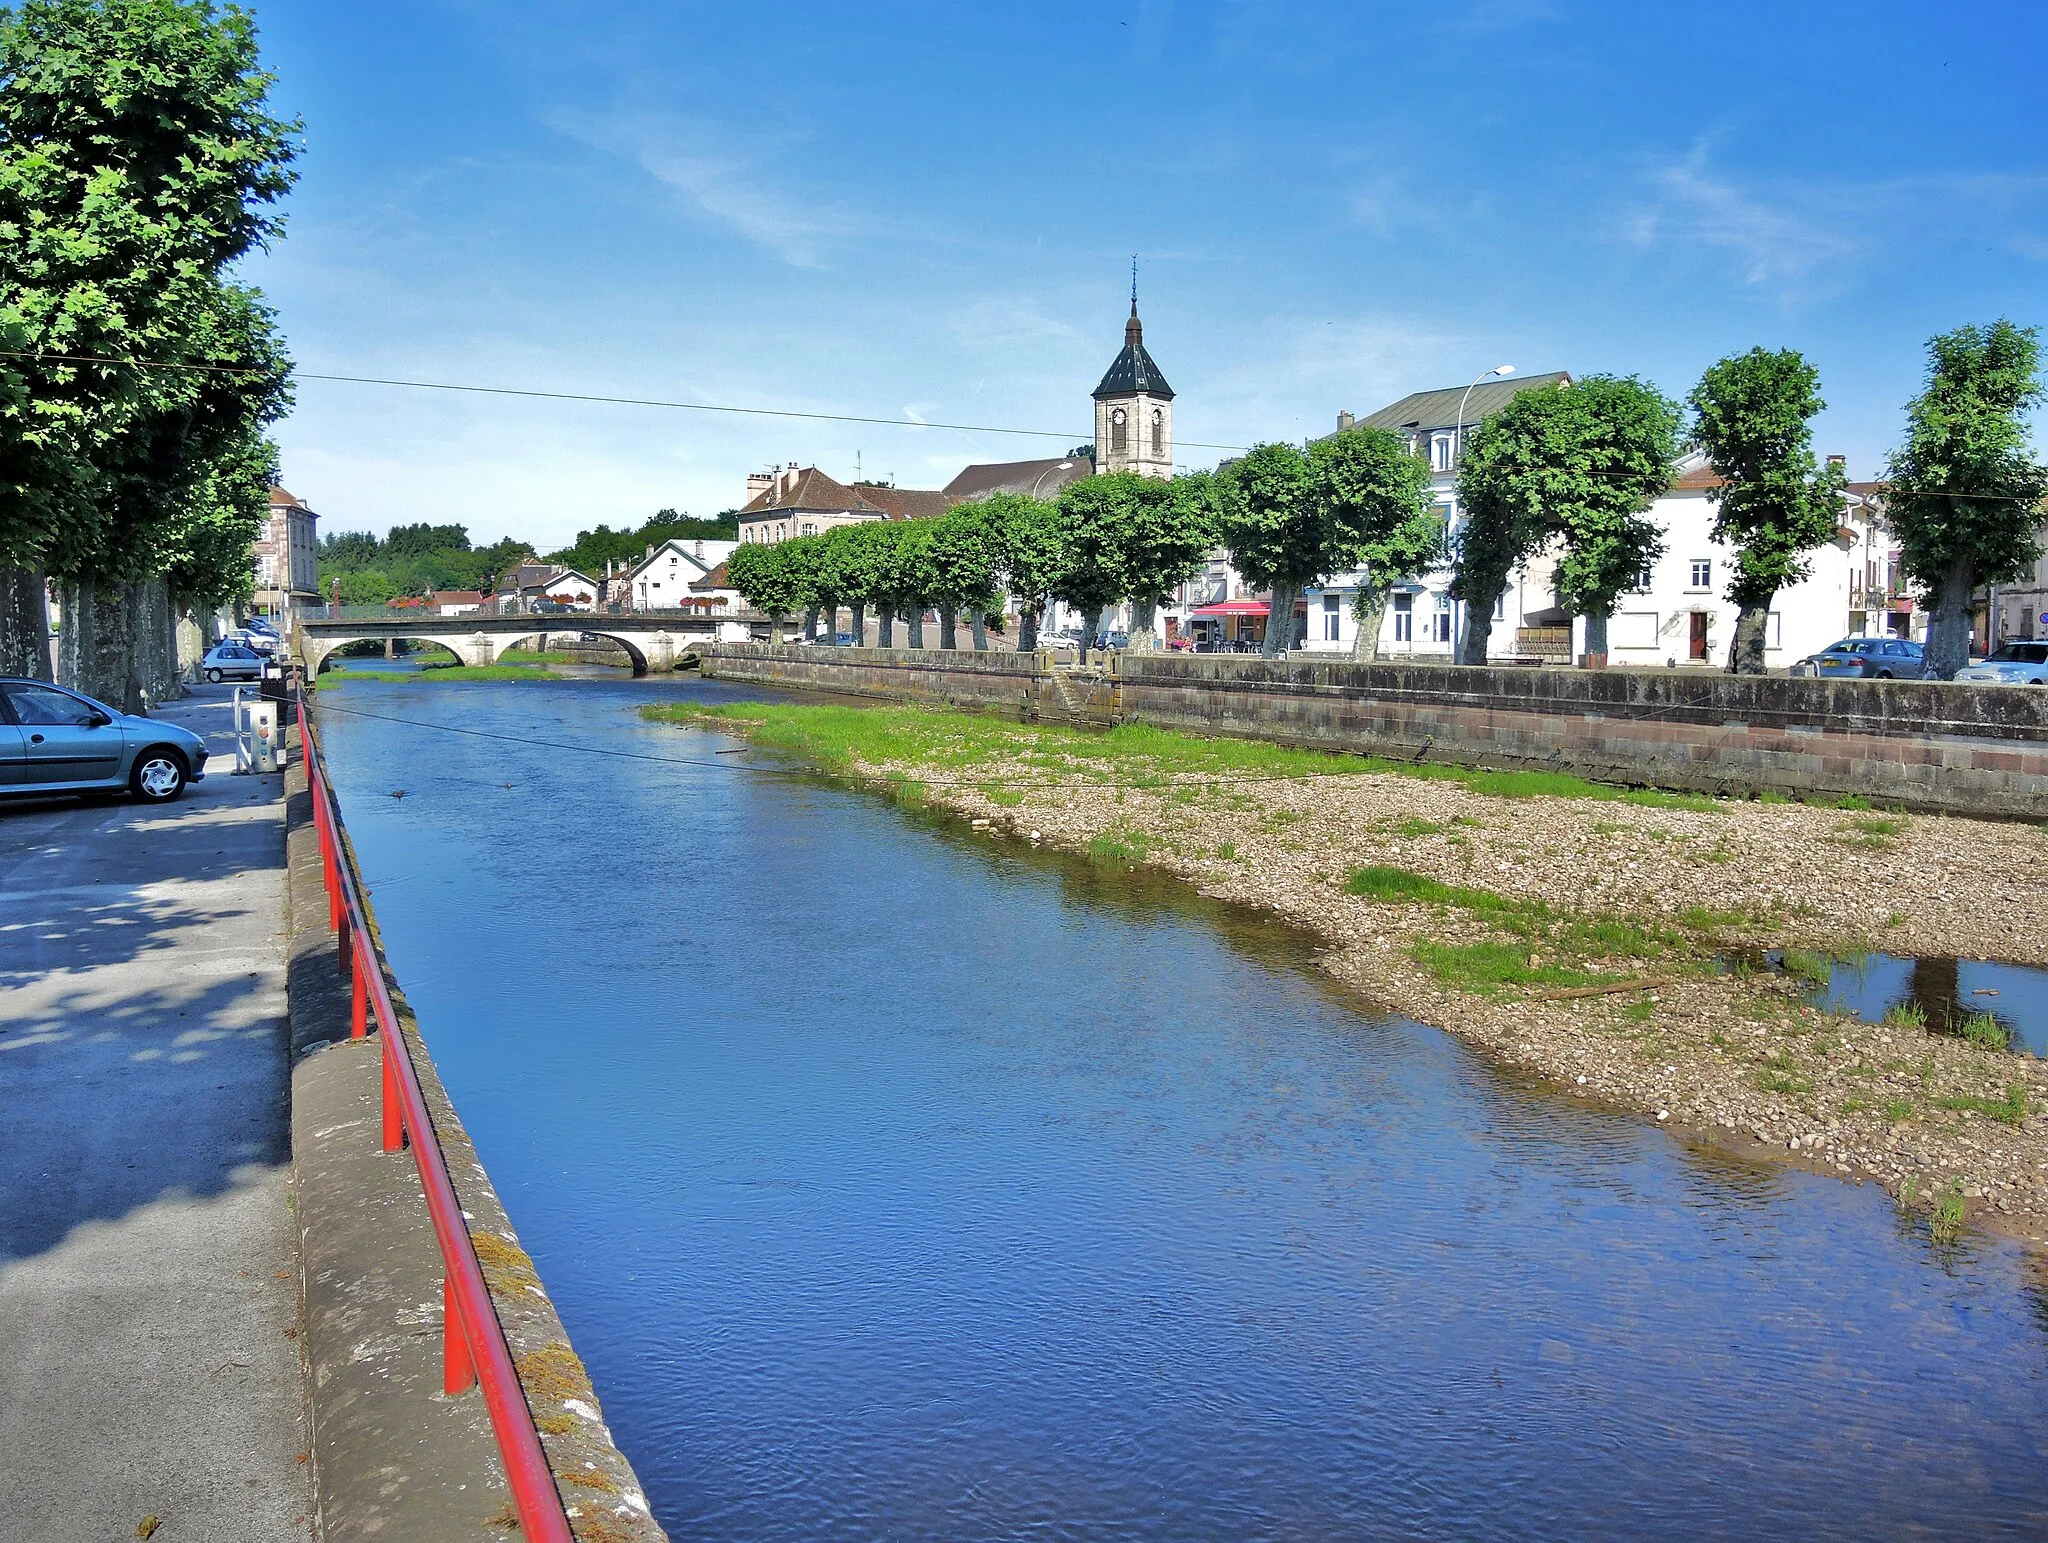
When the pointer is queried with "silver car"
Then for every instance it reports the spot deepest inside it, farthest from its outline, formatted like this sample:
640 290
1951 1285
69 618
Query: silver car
232 661
2020 663
58 741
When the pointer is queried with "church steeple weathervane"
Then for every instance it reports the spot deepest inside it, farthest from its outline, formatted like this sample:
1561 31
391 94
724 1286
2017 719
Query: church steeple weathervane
1134 406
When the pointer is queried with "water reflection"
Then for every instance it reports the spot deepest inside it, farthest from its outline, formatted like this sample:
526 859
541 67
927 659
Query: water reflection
898 1182
1947 993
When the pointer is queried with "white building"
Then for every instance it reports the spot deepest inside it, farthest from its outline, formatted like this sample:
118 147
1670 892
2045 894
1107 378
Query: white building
663 581
1679 613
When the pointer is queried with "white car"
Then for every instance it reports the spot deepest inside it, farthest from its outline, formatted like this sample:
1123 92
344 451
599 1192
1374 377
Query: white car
231 661
2022 663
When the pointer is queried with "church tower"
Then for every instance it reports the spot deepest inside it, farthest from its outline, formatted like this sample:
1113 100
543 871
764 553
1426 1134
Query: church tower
1134 407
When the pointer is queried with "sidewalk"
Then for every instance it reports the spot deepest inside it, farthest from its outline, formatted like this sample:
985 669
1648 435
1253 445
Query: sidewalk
147 1294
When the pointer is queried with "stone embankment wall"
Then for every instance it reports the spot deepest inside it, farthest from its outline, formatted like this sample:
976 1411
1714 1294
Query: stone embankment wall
1918 744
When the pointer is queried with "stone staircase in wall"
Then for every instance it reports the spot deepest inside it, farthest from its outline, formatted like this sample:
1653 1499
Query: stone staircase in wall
1085 696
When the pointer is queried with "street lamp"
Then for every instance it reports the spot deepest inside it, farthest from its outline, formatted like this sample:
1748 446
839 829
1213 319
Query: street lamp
1458 450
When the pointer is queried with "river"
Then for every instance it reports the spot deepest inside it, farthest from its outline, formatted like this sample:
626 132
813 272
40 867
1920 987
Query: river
897 1182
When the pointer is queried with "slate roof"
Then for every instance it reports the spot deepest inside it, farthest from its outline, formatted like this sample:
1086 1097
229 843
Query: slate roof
904 503
1133 369
717 578
1438 409
1038 479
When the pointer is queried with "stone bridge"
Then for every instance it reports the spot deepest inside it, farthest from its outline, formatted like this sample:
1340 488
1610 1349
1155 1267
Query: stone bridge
654 640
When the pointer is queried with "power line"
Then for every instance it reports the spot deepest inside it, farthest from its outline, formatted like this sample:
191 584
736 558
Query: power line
573 396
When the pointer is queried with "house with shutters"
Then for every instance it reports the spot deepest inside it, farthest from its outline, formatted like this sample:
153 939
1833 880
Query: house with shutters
667 578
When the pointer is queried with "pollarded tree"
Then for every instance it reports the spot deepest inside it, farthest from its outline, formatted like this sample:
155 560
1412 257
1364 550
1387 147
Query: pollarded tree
1093 516
766 579
1614 450
858 556
1028 532
1514 471
912 579
1966 492
1169 529
1752 417
966 557
1270 519
1374 498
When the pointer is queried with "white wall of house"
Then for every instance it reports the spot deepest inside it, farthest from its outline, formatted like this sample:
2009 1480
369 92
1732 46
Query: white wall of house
662 581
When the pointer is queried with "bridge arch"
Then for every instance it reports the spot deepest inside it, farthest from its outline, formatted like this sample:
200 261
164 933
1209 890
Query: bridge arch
635 647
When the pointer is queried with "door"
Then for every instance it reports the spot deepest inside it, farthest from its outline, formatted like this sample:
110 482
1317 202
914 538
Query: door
1699 635
13 755
69 740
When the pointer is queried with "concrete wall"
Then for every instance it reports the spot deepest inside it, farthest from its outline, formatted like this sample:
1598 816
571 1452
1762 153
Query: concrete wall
1923 745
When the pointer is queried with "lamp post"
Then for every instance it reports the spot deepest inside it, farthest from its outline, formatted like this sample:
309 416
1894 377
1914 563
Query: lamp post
1457 451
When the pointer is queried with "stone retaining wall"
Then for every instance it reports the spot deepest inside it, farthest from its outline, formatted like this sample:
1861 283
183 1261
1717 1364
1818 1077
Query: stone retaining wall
1918 744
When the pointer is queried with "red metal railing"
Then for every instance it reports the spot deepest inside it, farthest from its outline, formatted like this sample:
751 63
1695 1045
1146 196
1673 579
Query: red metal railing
473 1347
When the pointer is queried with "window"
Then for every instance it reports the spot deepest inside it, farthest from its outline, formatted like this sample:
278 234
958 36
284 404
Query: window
46 705
1119 433
1440 452
810 529
1702 573
1404 618
1440 623
1330 617
1158 434
1644 578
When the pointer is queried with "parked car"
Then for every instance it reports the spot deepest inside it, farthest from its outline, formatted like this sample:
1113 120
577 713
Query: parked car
58 741
2020 663
253 637
232 661
1876 658
1114 640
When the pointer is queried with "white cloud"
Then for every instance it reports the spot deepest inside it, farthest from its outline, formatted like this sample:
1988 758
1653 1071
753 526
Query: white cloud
1776 244
728 188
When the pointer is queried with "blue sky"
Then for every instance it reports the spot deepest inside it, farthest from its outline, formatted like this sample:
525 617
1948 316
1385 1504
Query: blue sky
929 211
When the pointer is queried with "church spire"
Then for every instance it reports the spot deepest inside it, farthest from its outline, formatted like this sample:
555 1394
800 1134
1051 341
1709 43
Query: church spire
1134 330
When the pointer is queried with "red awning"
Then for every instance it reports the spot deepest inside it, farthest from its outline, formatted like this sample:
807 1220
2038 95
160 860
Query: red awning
1231 608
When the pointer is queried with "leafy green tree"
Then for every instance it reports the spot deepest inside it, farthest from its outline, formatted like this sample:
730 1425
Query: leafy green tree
766 579
861 555
880 542
1374 499
1966 493
595 548
136 160
912 578
210 547
347 550
1752 417
1094 516
1278 532
1029 532
1169 529
1514 470
966 556
420 540
1615 447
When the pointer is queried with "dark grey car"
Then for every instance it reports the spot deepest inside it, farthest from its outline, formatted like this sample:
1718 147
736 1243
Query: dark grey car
58 741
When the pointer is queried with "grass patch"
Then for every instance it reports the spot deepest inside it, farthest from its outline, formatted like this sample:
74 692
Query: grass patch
1699 918
1905 1015
1852 801
1413 825
2009 1110
1780 1074
1486 967
1001 796
1880 825
1122 845
1227 851
441 672
1640 1012
1815 969
1897 1109
940 739
1945 1225
1983 1029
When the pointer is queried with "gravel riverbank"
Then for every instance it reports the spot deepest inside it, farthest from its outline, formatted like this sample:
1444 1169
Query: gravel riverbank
1512 921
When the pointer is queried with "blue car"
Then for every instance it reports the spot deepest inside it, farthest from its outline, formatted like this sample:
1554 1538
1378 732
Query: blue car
58 741
1872 658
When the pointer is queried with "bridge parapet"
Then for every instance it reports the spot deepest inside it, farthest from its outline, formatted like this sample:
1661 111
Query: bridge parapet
653 640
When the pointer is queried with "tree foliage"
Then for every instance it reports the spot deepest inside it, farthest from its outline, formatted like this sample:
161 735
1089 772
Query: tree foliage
1511 476
1374 498
1966 494
594 548
1752 418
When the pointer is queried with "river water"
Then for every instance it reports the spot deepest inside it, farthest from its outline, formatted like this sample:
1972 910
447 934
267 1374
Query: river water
897 1183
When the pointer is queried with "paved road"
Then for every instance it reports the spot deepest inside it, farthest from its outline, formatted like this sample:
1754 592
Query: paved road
146 1243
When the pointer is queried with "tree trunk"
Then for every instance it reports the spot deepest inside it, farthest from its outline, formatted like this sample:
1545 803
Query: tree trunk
1027 630
1369 611
977 624
885 626
860 624
1746 653
915 616
1279 621
1948 630
1145 625
96 650
24 624
1596 634
1091 628
949 627
1479 608
811 625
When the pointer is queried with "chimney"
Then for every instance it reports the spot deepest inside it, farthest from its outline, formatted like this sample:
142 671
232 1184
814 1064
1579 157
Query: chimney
699 553
1344 421
759 482
1839 460
650 551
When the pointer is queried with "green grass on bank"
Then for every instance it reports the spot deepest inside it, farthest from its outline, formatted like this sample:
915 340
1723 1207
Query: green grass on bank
938 741
440 672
